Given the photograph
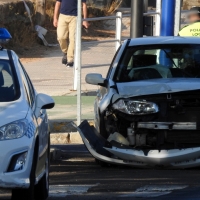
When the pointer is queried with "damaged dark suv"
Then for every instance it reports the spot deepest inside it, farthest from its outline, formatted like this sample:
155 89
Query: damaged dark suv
147 111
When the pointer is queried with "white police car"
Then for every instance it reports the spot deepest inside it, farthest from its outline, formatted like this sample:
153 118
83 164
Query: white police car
24 134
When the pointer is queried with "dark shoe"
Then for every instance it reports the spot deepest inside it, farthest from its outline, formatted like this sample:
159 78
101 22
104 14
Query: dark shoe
70 64
64 59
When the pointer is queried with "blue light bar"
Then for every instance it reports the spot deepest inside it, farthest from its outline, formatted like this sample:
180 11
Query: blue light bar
4 35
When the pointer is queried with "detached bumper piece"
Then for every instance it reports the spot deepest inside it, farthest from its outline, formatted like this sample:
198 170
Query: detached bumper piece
97 145
96 141
116 153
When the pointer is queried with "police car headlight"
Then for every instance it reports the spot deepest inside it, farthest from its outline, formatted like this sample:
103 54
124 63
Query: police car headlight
14 130
136 107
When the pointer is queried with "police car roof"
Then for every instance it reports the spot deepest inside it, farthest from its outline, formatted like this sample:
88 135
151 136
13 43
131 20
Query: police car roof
4 54
164 40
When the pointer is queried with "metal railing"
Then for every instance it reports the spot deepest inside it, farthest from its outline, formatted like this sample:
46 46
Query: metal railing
117 39
118 33
118 19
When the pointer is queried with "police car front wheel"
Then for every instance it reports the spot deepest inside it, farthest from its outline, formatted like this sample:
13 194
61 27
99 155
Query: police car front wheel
39 191
26 194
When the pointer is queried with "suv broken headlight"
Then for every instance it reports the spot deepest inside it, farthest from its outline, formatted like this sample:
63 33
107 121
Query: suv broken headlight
13 130
136 107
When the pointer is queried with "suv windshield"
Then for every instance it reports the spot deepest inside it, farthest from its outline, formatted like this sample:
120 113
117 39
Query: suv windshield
9 88
159 62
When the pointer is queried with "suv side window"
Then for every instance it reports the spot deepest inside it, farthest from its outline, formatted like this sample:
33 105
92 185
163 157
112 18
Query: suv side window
111 66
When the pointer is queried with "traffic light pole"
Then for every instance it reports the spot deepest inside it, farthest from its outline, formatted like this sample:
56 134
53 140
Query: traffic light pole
137 9
177 23
77 63
145 10
167 17
167 26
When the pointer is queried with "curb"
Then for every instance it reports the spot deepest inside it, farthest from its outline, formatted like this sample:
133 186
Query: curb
62 132
57 154
66 138
61 126
64 126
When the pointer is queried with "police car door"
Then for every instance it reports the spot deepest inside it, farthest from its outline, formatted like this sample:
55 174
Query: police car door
42 123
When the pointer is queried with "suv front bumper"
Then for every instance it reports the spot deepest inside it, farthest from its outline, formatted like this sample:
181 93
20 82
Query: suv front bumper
174 158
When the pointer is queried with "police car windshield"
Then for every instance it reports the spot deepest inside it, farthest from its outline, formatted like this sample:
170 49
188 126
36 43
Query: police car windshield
159 62
9 89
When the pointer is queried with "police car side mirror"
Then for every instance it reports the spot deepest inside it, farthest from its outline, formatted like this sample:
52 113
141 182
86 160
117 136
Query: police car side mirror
43 101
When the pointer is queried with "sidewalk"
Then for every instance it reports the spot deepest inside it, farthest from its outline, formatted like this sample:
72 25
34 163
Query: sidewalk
63 114
51 77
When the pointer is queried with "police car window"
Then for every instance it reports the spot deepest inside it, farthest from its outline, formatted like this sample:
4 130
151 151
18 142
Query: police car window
31 89
8 82
162 61
27 96
28 91
9 90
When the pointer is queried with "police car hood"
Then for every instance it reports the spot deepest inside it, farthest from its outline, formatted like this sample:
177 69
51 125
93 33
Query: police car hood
13 111
157 86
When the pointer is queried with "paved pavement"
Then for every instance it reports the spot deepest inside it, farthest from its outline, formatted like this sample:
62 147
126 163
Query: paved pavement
51 77
78 176
83 178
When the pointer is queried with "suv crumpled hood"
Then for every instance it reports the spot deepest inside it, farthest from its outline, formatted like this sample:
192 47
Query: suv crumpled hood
12 111
157 86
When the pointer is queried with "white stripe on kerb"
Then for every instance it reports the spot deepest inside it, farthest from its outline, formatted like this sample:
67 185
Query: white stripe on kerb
153 191
65 190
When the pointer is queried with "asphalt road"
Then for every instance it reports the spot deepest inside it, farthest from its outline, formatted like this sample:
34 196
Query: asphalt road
78 176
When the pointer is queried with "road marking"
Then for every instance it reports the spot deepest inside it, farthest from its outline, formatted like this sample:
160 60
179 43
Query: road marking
161 188
154 191
77 160
145 194
65 190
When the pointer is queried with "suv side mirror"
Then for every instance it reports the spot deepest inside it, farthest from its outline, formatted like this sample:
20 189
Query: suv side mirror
96 79
43 101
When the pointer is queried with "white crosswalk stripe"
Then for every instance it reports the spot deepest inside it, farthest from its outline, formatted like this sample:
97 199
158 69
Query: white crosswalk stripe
65 190
154 191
